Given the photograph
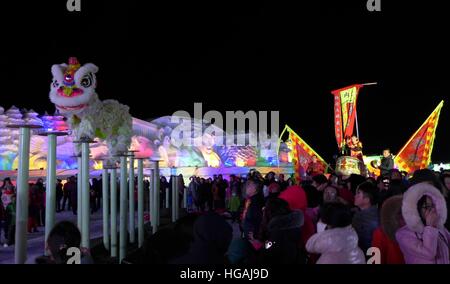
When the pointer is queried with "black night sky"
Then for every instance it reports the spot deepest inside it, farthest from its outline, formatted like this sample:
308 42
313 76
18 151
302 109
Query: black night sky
243 55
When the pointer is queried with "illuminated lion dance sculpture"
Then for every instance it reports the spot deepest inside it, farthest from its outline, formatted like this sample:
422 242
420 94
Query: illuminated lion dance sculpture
73 92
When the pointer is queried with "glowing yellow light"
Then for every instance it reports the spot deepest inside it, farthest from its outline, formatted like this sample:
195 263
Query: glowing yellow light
98 165
240 162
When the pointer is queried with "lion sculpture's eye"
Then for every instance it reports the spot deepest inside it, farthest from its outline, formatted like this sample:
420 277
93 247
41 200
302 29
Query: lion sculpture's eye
86 82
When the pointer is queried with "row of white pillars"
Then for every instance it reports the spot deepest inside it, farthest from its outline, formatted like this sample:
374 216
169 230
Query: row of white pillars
20 253
83 197
154 206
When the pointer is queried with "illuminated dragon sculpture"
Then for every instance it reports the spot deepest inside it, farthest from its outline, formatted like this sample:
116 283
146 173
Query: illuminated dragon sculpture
73 92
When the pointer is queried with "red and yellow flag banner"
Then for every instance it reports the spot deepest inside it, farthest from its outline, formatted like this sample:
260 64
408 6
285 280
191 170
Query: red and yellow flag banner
345 112
416 154
302 154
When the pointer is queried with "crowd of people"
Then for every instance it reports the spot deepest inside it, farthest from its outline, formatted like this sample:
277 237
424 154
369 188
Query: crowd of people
320 219
66 198
7 212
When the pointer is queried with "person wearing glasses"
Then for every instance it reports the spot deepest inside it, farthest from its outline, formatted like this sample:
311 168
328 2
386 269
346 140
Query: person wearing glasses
424 239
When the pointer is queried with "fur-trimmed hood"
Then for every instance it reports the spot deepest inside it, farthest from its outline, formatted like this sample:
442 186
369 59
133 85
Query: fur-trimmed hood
409 206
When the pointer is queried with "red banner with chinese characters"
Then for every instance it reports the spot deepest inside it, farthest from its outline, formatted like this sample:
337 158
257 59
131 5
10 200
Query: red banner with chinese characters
416 154
302 155
338 120
345 112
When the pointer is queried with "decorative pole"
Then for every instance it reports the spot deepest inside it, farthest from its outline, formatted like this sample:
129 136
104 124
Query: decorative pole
85 192
131 200
20 248
167 197
151 203
79 194
357 126
105 206
177 199
79 191
113 206
174 194
50 194
123 207
156 186
105 199
185 198
140 202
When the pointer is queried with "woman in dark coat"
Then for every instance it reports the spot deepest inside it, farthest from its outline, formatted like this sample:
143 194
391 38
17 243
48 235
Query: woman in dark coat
280 232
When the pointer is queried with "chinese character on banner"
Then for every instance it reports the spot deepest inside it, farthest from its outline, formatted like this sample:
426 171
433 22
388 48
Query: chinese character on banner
345 112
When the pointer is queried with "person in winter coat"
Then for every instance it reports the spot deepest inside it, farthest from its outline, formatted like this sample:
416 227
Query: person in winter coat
366 220
234 205
59 194
212 236
424 240
11 220
208 194
40 201
7 190
202 194
384 236
3 224
295 196
252 215
180 190
353 182
387 163
164 185
193 189
216 195
280 233
97 194
33 208
7 184
63 236
71 189
338 243
222 186
169 243
274 190
66 195
314 198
